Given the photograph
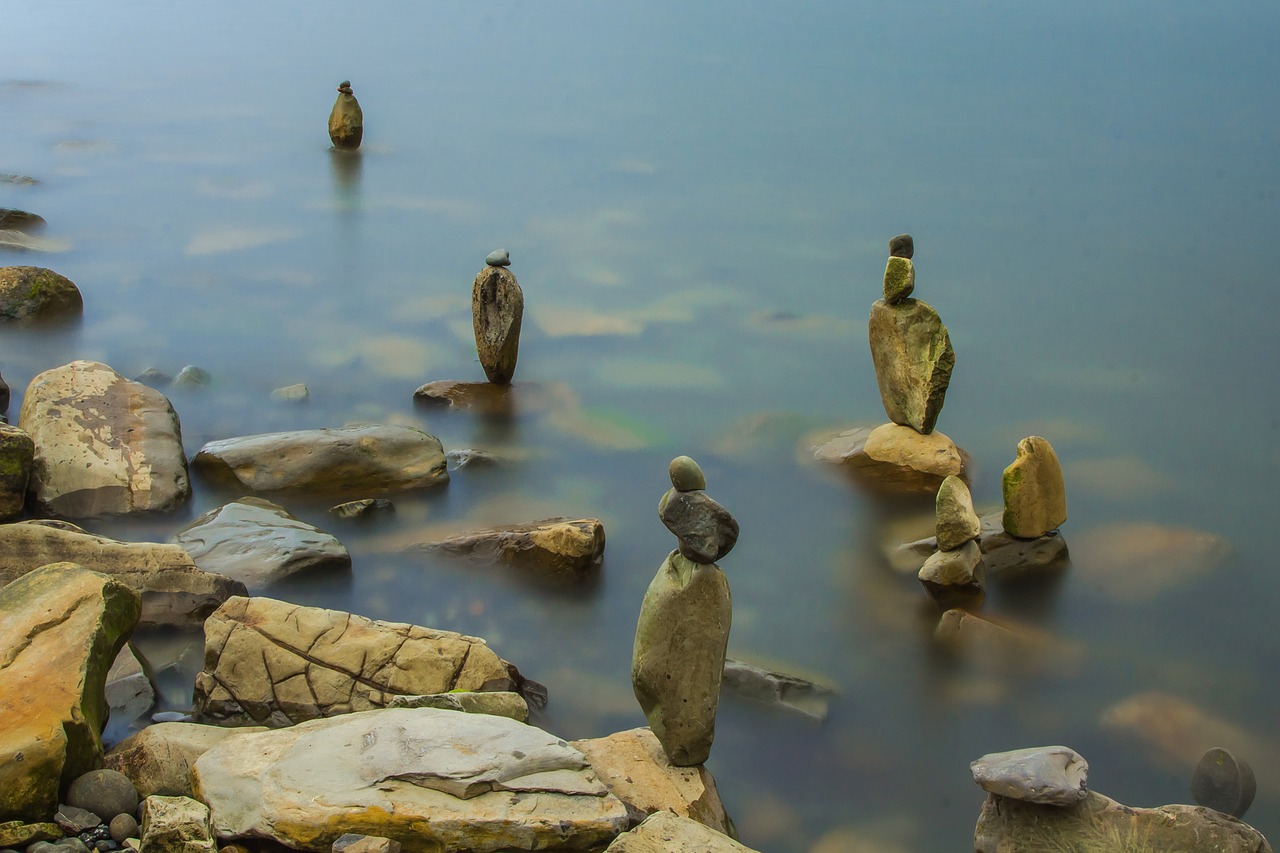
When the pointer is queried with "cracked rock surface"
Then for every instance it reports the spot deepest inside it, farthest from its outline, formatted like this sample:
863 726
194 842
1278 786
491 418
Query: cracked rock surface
428 778
272 663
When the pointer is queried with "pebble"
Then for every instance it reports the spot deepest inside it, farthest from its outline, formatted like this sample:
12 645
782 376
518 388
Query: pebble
123 826
498 258
902 246
686 475
74 820
1224 783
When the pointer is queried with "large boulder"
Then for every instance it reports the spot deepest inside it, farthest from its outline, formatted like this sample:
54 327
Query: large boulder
61 627
430 779
352 461
271 663
664 832
105 445
895 458
571 549
258 542
633 767
913 359
173 590
17 453
34 294
1099 824
158 759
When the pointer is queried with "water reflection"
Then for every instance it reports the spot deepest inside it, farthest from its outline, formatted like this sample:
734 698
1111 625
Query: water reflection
346 167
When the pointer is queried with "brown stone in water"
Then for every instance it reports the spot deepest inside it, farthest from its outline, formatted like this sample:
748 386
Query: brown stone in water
497 307
346 120
36 294
568 549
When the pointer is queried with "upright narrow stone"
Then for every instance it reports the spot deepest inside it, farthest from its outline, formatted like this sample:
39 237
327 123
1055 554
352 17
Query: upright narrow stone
957 523
1035 498
346 120
497 307
913 358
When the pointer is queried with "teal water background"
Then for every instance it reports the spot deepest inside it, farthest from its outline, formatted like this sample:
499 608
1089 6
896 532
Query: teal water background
697 199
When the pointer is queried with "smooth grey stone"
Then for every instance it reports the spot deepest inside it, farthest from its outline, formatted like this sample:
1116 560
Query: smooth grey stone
191 376
106 793
902 246
469 456
1224 783
498 258
686 475
764 685
1049 775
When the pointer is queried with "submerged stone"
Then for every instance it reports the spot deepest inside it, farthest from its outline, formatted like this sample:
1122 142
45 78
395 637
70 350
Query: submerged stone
899 280
1035 498
20 219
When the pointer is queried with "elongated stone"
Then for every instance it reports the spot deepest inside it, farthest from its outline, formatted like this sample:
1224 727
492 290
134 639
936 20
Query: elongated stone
678 657
913 358
1035 498
17 453
497 308
346 119
958 523
899 279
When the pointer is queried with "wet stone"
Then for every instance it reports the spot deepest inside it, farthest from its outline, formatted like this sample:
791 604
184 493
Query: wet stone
1224 783
686 475
902 246
298 393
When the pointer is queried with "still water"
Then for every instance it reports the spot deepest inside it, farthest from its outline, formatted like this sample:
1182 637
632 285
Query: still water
697 199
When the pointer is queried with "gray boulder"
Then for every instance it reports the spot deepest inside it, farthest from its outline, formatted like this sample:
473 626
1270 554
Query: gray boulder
497 309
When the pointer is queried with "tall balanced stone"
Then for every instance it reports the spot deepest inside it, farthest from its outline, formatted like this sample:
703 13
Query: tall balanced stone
682 634
497 308
910 347
346 120
1035 498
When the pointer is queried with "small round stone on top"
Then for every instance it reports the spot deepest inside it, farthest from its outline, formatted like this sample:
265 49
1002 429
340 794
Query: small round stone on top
686 476
345 87
498 258
902 246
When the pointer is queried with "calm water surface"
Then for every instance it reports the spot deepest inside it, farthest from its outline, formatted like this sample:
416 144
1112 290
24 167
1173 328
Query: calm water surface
697 199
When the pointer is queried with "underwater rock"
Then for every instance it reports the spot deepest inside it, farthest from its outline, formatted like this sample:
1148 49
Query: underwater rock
957 521
20 220
895 458
553 547
346 120
497 308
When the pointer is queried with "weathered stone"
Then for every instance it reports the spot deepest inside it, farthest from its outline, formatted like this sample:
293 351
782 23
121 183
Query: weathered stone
15 833
104 792
953 576
17 455
686 475
130 691
258 543
902 246
778 688
1052 775
570 549
176 825
105 445
913 359
432 780
1035 499
1133 561
353 843
366 459
192 376
158 759
36 294
895 458
1004 645
1099 824
298 393
498 258
1224 783
899 279
678 657
634 768
61 626
663 832
346 119
173 590
958 523
74 821
272 663
705 529
497 704
363 508
123 826
497 308
20 219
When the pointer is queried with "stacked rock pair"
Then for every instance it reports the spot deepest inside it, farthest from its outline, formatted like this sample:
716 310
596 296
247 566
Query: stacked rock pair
953 575
682 634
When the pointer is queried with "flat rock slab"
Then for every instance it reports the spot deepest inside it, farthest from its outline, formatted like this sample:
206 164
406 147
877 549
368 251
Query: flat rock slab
258 543
61 627
430 779
351 461
488 399
105 445
664 832
36 294
17 455
571 549
778 688
174 591
1052 775
1099 824
895 458
272 663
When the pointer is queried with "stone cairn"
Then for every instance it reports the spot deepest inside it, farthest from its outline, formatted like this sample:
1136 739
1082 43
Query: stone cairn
953 575
497 307
1035 498
346 120
682 634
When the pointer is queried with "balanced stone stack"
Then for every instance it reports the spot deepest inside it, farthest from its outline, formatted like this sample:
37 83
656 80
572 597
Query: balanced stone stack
954 574
682 634
346 120
497 308
1035 498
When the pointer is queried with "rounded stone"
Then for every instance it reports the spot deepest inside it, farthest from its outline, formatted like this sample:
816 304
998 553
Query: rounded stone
123 826
106 793
35 294
1035 500
686 475
1224 783
498 258
902 246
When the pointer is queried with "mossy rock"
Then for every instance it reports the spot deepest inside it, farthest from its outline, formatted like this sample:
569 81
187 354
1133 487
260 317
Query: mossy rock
35 294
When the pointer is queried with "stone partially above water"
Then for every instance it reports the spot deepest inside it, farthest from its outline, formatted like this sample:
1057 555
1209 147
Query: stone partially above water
564 548
36 294
346 119
913 359
1035 498
954 578
1052 775
894 457
957 522
497 309
20 219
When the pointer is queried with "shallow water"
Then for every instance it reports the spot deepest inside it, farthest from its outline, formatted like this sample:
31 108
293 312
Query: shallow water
697 202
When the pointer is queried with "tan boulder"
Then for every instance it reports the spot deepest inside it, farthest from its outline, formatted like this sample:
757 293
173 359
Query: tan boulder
570 549
176 825
272 663
158 759
913 359
346 119
634 768
1035 498
105 445
61 628
173 590
663 832
955 578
